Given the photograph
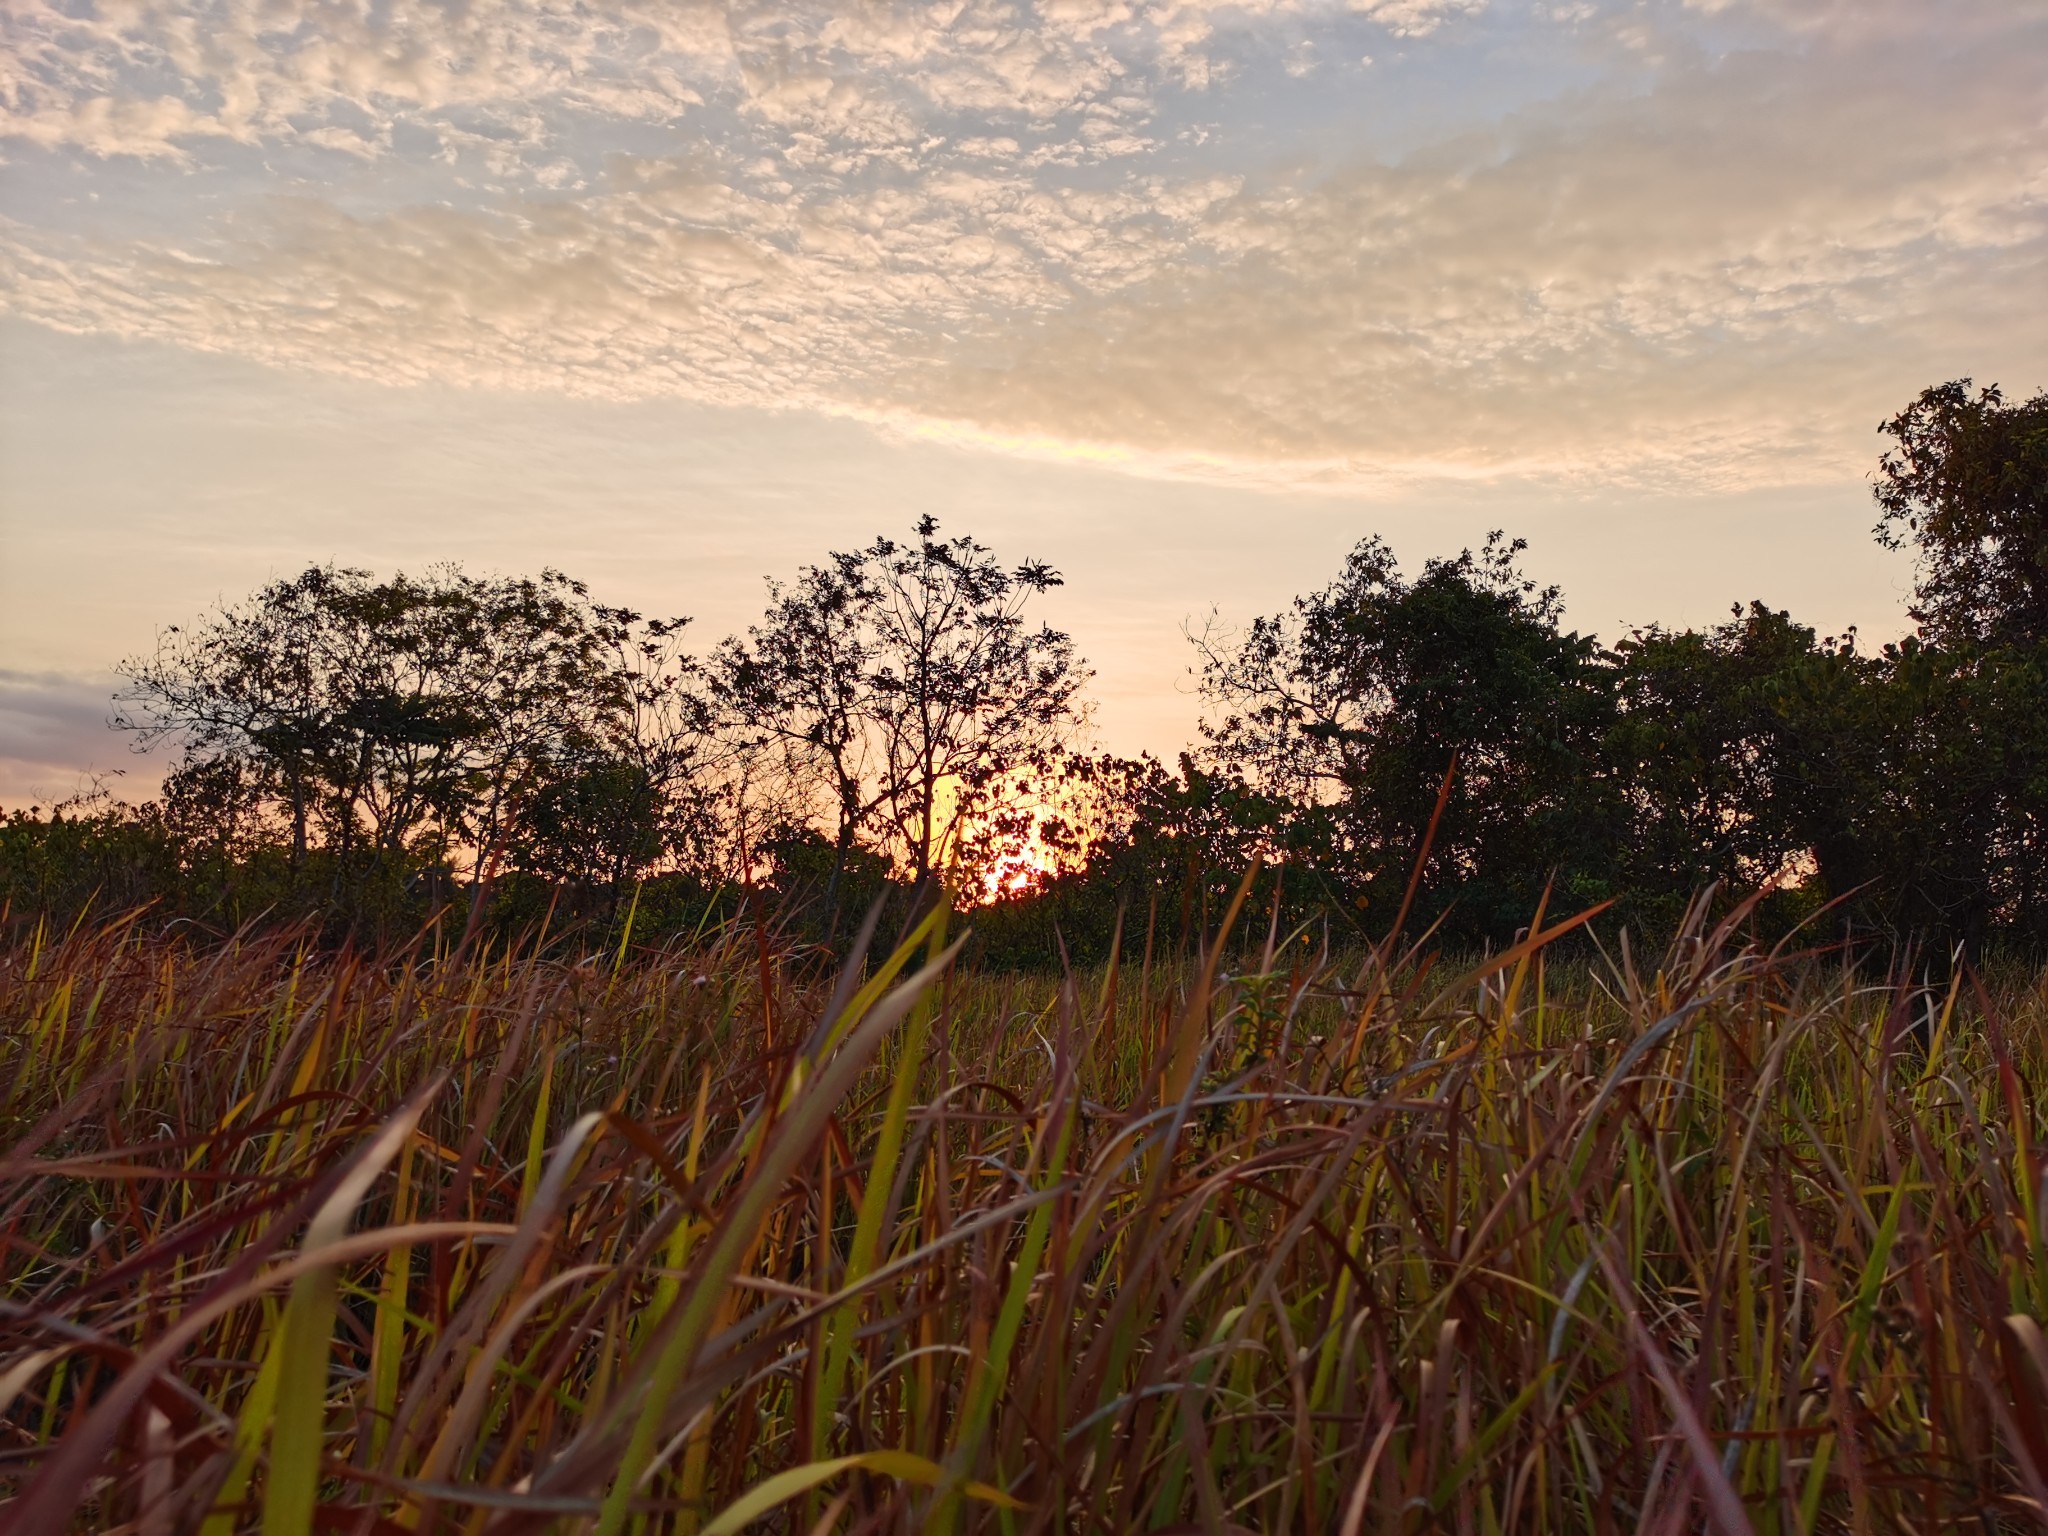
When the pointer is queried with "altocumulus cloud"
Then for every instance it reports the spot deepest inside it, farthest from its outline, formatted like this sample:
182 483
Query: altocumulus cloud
1731 235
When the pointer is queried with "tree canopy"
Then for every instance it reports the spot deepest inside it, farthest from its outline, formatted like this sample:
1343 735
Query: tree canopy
1967 485
1354 706
902 692
439 719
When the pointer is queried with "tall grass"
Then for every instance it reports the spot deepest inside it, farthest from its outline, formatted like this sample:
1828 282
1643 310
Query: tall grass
684 1241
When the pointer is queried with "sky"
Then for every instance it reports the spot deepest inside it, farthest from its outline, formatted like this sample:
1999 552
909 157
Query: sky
1183 297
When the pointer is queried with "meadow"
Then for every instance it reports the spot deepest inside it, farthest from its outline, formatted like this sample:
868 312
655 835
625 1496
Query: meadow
728 1235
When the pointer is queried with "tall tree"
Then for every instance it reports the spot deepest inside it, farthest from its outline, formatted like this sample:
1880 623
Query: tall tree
1355 704
906 693
1702 754
1967 485
640 778
410 718
246 689
971 700
1966 801
794 694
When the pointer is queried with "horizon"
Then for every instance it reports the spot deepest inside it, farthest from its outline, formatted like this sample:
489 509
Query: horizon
1182 299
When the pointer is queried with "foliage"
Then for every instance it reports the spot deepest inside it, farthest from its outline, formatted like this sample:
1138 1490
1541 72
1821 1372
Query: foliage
1704 751
421 717
638 783
1968 484
903 686
1354 708
492 1241
1142 853
61 864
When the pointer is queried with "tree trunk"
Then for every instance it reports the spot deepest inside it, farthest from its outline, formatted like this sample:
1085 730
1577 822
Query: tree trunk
929 796
843 846
298 794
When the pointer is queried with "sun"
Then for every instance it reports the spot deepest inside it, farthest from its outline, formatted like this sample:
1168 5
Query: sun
1018 872
1020 861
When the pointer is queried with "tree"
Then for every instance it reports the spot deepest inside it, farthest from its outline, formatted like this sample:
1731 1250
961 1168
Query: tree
1968 485
1906 783
245 690
1702 756
1166 850
1355 704
1965 800
413 719
795 695
905 697
970 701
636 781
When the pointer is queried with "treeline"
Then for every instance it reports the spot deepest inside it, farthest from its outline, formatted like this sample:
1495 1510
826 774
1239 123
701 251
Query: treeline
376 754
1427 749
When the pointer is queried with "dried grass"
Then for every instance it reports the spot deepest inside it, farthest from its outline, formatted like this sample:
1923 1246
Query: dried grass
680 1242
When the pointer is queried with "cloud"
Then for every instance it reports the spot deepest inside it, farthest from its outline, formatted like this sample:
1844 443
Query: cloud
1034 227
253 72
157 77
671 279
1721 282
54 741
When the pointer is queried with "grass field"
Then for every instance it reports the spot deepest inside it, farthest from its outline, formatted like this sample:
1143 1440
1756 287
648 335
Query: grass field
716 1239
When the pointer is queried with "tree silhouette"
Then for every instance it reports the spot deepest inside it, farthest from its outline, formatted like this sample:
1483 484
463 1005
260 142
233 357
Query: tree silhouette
1968 486
420 717
1353 705
899 689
